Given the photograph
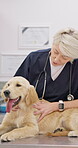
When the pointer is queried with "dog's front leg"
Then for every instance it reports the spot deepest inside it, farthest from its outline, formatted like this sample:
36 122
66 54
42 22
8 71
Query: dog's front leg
27 131
5 128
6 125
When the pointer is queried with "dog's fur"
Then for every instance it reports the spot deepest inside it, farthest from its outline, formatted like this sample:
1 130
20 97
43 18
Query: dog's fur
23 123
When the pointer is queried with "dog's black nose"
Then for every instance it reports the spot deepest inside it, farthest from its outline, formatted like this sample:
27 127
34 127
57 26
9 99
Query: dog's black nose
6 93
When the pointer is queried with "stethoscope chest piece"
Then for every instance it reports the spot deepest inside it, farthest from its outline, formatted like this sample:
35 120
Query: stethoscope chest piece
70 97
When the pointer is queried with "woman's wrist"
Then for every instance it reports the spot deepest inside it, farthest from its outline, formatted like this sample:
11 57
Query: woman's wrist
58 106
54 106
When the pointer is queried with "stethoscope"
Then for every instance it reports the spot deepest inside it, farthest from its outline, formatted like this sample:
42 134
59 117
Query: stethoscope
43 72
70 96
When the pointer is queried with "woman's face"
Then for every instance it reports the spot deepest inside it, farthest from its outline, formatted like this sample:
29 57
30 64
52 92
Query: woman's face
57 58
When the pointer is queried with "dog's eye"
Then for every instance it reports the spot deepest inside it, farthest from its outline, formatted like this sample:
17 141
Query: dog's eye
18 85
8 84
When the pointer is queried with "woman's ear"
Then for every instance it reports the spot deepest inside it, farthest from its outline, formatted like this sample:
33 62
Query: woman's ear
32 96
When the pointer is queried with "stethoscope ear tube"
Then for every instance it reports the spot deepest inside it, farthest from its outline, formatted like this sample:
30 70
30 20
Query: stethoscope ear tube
44 85
70 96
43 72
37 82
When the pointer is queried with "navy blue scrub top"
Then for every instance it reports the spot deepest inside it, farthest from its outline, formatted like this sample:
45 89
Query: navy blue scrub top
55 90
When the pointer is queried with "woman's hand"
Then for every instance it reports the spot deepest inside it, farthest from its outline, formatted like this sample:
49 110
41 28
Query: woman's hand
44 108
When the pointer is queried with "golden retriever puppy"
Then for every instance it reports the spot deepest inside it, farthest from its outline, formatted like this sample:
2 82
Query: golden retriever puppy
22 123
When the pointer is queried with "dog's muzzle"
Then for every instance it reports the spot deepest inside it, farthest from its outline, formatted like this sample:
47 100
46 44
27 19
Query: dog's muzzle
11 102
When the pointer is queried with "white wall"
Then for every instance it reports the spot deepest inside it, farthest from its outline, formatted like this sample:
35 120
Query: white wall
57 13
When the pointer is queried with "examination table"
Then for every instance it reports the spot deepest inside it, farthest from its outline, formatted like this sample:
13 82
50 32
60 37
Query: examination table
40 141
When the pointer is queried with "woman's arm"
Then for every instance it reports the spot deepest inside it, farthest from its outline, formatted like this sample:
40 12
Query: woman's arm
71 104
45 107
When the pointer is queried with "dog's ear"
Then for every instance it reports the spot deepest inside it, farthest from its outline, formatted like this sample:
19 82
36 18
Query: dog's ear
32 96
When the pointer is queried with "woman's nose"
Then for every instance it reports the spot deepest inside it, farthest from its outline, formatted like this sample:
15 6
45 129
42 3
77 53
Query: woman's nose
57 58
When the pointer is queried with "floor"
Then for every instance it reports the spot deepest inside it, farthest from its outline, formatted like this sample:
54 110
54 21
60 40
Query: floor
41 141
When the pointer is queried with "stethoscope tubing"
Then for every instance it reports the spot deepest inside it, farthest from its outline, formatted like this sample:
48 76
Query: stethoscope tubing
70 96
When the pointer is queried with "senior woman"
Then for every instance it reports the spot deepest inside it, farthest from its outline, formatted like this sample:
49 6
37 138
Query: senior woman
54 73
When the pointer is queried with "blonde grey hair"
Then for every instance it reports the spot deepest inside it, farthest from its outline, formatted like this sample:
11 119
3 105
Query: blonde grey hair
67 40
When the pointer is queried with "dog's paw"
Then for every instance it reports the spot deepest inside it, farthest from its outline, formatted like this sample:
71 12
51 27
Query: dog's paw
7 138
73 134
